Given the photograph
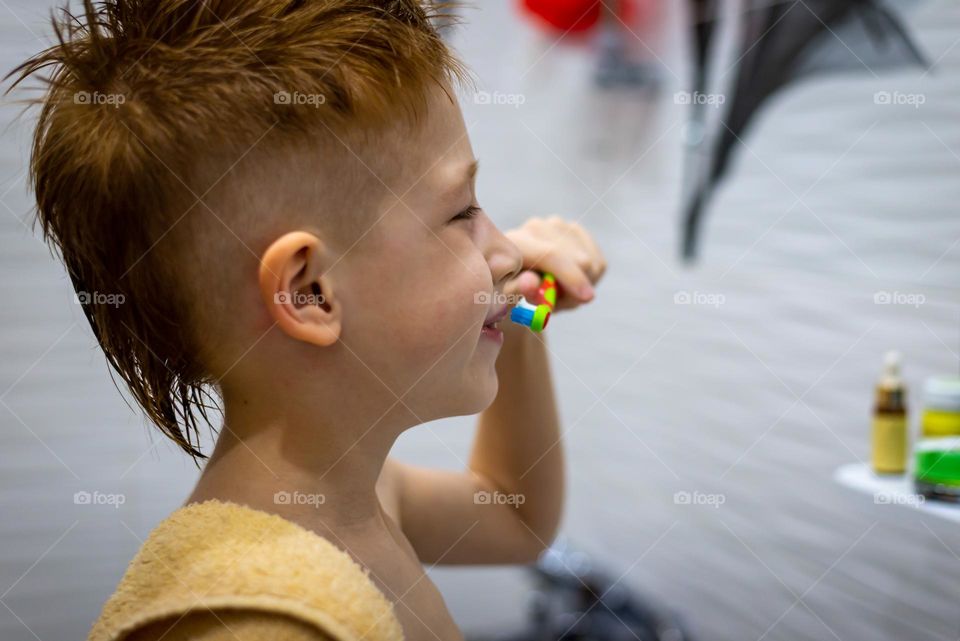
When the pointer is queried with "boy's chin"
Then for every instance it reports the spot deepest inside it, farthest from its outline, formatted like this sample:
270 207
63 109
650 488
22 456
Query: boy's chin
479 397
488 395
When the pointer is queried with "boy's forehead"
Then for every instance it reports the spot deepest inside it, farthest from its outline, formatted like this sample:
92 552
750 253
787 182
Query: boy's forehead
446 186
438 151
455 175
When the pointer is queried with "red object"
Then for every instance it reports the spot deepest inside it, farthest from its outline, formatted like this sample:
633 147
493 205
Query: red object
578 16
565 15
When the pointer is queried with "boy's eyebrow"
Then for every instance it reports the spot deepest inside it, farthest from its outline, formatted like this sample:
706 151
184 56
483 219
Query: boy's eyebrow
469 174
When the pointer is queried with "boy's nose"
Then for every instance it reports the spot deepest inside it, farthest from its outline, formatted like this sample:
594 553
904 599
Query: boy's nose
505 259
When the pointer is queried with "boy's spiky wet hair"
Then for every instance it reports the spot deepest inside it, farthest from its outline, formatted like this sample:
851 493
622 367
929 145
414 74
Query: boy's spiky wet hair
139 92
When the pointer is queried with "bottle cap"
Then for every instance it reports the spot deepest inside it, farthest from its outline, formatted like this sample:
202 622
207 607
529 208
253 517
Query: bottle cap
942 393
891 370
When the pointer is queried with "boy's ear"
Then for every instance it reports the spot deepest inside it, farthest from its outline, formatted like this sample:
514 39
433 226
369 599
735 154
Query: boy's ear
297 293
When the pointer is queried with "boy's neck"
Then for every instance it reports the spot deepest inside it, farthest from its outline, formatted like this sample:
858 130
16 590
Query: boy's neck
304 464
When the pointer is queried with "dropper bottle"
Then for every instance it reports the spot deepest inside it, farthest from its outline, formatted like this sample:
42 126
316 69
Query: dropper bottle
889 452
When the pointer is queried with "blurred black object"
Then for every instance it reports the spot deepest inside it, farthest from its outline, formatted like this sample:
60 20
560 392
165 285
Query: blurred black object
573 601
781 41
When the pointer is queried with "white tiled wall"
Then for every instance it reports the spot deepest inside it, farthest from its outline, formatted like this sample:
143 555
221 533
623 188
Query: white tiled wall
832 199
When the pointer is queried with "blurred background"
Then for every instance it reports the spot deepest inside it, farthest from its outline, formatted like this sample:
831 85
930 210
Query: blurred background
715 409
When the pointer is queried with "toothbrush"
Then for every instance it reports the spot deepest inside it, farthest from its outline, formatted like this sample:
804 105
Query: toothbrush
536 316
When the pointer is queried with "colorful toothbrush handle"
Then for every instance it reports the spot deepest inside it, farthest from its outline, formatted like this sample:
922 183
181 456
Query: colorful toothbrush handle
536 316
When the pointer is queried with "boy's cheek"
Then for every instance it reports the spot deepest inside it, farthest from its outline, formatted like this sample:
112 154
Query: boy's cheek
442 321
440 344
418 308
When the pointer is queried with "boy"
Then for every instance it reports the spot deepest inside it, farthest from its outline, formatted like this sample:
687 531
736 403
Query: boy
283 193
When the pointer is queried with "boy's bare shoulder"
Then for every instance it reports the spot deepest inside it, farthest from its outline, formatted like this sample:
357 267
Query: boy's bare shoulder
229 625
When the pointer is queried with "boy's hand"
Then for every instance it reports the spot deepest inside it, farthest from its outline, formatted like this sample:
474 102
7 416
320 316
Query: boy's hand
564 248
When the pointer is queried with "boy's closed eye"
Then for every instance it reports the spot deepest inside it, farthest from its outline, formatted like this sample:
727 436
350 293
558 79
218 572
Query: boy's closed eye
468 213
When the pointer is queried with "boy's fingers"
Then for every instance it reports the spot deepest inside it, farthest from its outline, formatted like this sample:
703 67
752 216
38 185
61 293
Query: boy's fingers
571 277
597 263
573 270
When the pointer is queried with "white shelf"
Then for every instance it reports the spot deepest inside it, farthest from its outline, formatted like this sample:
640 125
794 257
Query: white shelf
892 490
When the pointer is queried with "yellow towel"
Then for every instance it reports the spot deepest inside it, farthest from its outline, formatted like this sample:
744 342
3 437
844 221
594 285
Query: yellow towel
219 554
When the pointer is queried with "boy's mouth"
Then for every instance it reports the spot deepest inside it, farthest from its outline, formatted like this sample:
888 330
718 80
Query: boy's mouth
494 318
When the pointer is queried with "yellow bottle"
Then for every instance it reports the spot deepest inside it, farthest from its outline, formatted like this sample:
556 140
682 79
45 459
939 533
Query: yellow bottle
890 420
941 412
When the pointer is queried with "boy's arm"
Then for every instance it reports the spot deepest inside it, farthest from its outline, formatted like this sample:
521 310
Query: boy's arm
506 507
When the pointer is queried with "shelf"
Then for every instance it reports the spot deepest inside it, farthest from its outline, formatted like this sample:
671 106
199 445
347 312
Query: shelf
892 490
